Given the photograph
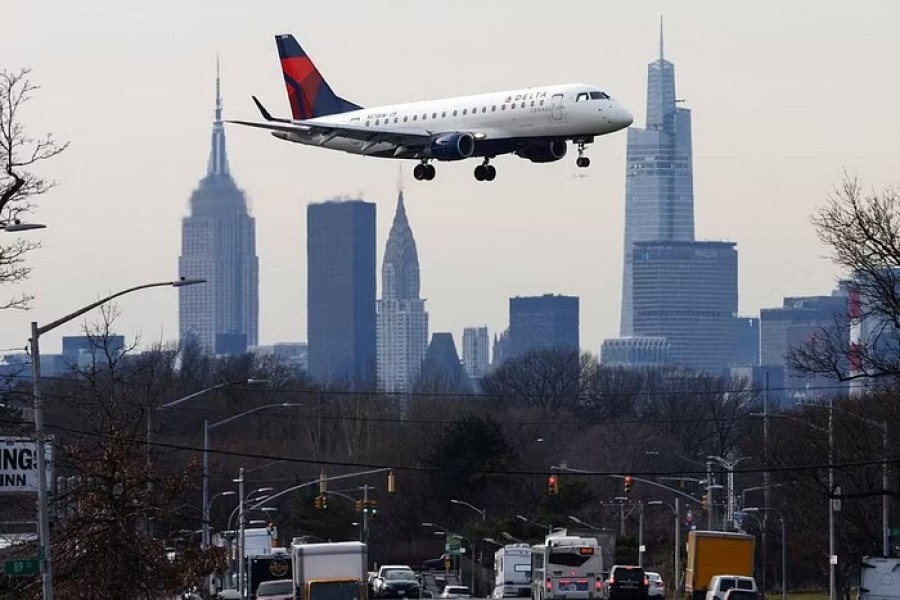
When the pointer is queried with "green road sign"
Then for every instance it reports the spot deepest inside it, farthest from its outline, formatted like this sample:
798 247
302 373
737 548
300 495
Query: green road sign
452 549
22 566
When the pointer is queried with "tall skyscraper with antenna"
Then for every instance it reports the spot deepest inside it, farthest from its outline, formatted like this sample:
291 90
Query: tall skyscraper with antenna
659 180
218 244
402 320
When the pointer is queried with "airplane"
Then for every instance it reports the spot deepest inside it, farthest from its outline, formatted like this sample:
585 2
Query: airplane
533 123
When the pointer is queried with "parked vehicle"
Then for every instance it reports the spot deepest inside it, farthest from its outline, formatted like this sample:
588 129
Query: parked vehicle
275 589
879 578
711 553
329 570
657 587
456 591
720 584
737 594
626 582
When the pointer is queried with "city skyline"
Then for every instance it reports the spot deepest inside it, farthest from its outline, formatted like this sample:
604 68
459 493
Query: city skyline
762 81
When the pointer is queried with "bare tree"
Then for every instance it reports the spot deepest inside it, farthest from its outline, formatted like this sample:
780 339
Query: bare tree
862 231
19 185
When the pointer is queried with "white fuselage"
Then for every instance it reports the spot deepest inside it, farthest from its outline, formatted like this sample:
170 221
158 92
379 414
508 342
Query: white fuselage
497 120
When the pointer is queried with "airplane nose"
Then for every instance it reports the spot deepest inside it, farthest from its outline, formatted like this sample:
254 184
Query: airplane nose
623 117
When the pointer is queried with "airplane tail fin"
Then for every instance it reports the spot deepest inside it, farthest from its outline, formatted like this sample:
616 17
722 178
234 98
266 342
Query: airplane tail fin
309 94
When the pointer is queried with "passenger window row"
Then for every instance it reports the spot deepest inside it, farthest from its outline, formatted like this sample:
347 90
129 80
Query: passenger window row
443 114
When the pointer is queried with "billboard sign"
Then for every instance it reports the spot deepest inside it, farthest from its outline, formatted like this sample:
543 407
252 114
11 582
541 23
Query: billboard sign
18 465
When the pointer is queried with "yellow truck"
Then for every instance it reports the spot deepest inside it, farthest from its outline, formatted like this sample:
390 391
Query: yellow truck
711 553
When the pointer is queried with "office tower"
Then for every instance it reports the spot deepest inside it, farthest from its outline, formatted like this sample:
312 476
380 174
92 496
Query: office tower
475 351
547 322
442 371
796 321
747 341
659 188
402 320
635 351
340 250
687 293
218 244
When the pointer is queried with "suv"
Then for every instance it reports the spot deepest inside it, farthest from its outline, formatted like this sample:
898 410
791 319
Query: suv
275 589
394 581
720 584
626 582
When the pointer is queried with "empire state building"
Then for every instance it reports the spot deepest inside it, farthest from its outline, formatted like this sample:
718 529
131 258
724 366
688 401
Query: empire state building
218 244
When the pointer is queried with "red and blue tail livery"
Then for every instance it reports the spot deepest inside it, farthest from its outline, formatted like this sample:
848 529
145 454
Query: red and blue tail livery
534 123
309 94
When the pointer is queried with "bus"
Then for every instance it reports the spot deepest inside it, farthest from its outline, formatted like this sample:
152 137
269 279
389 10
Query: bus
567 567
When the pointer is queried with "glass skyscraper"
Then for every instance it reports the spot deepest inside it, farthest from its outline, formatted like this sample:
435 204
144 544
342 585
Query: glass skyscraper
340 250
659 188
547 322
218 244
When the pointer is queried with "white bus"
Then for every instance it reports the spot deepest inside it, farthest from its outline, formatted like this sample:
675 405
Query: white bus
566 568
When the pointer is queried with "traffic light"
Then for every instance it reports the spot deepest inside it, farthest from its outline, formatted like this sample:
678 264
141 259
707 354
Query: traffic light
359 506
318 502
553 485
324 501
704 501
392 482
373 508
629 480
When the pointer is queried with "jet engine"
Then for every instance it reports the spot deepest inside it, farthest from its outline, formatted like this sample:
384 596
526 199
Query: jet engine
452 146
544 151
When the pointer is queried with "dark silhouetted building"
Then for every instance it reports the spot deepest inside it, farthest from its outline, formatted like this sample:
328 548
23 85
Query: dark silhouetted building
218 244
442 371
547 322
340 245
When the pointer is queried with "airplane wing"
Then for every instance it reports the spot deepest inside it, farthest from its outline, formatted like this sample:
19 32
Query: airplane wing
408 140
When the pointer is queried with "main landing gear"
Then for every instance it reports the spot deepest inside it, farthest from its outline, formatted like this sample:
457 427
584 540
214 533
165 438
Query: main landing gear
485 171
424 171
582 161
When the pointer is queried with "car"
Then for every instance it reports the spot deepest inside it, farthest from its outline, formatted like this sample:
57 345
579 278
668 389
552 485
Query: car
276 589
657 588
719 585
397 583
738 594
626 582
456 591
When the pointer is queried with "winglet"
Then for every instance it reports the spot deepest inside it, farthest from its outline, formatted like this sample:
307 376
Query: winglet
265 114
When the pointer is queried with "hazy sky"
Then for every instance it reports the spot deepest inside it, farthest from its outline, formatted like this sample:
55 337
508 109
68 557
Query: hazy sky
785 95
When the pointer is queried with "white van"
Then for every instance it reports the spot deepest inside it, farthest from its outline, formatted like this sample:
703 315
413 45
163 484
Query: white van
879 578
720 584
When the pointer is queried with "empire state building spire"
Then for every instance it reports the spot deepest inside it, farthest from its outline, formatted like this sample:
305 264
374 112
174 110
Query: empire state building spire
218 158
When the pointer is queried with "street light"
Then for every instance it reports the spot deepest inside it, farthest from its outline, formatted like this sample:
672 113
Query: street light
729 466
206 427
242 499
480 511
44 552
578 521
527 520
753 509
510 538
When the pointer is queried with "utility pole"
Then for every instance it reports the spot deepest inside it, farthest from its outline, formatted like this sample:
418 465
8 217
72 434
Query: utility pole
241 534
640 533
766 503
677 545
709 496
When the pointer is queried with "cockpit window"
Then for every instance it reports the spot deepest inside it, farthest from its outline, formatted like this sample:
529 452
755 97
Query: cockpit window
581 96
599 96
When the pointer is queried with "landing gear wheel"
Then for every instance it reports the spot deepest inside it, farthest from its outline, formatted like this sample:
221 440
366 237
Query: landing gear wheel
489 172
583 161
419 172
480 173
430 172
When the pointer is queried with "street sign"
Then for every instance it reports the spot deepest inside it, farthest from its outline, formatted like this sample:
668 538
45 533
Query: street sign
18 464
452 549
21 566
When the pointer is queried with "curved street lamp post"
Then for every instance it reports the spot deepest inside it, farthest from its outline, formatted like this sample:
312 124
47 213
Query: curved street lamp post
45 550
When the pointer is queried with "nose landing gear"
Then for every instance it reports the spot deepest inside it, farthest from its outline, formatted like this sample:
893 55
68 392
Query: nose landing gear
582 161
485 171
424 171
